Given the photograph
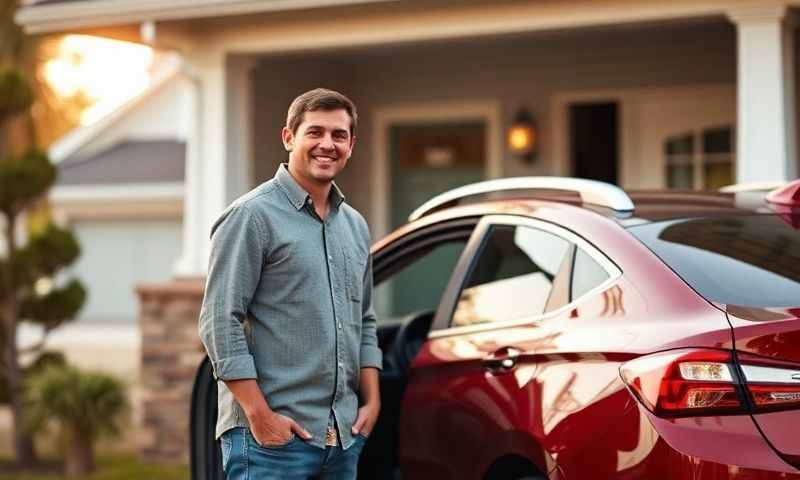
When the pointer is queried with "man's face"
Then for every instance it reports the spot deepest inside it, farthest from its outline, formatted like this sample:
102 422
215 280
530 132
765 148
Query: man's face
319 149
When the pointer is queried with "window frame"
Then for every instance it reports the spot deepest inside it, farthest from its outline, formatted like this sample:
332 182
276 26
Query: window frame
698 157
441 325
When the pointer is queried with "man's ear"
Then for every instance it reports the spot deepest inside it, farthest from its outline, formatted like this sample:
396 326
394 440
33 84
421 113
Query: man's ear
288 139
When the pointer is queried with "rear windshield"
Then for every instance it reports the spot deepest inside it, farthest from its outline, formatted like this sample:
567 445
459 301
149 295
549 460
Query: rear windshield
748 260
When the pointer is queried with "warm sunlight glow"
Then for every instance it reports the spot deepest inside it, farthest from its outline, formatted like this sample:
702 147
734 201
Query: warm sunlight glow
108 72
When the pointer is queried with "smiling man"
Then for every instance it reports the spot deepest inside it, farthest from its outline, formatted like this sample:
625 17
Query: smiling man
287 315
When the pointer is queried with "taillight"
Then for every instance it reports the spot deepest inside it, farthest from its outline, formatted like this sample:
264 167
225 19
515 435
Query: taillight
773 385
684 382
692 382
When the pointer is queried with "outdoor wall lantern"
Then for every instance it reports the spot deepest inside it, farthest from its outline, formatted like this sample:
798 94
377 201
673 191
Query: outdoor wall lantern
522 136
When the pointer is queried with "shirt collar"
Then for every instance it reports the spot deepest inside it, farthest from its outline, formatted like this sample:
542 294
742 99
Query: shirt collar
297 195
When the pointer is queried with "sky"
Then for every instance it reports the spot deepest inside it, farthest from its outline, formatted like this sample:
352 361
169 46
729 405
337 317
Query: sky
110 72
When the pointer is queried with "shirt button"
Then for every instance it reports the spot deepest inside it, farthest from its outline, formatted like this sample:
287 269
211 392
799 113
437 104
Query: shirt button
330 257
340 325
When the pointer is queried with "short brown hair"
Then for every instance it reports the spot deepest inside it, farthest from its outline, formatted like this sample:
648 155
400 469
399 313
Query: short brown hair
320 99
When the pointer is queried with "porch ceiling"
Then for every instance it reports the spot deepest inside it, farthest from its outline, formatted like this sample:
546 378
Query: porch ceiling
49 16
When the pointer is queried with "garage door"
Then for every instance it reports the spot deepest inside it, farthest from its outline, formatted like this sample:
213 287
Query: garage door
115 257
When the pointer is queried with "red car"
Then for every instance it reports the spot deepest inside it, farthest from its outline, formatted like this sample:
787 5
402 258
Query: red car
562 328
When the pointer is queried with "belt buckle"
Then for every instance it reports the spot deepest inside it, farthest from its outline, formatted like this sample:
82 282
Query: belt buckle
331 439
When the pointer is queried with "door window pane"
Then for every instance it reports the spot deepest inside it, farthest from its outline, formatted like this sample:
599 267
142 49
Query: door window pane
419 281
586 274
513 276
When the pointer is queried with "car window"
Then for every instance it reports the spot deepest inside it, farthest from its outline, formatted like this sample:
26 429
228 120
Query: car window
512 278
586 274
748 260
418 280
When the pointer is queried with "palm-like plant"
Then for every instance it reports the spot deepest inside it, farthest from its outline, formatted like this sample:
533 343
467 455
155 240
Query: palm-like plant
84 406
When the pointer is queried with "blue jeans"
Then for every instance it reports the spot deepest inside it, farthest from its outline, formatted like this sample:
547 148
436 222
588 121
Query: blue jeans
244 459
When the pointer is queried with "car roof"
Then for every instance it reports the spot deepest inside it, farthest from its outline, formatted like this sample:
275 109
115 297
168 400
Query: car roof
649 205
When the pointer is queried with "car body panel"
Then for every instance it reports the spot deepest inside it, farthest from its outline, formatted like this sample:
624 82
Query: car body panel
565 391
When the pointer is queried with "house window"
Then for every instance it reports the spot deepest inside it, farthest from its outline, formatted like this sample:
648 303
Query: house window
717 158
679 153
702 160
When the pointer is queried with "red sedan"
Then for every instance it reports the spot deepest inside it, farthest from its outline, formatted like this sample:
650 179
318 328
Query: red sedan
561 328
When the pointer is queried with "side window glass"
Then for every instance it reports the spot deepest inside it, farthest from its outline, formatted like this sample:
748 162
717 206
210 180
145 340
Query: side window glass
418 280
513 277
586 274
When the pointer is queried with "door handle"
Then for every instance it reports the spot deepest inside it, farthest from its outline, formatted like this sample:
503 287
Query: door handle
506 363
502 360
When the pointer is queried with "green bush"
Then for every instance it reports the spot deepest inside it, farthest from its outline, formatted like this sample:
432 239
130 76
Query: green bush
83 405
43 361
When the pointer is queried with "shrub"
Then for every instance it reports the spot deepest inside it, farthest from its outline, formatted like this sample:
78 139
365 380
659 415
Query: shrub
83 405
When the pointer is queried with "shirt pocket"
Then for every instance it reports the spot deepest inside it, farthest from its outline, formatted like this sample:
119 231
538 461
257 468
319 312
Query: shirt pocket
355 265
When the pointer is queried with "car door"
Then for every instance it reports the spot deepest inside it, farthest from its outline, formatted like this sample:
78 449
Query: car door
412 269
472 395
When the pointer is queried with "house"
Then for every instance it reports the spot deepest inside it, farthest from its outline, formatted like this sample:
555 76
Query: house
643 93
120 189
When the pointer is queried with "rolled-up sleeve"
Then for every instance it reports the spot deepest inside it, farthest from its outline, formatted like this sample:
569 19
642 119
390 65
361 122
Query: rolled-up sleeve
371 355
237 247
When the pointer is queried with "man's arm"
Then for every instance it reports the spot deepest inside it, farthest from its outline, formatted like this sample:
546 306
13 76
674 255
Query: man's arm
371 362
237 247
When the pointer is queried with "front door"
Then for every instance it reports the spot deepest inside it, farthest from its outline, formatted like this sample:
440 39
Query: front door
427 160
593 141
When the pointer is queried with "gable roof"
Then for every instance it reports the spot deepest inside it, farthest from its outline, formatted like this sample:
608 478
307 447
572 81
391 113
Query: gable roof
130 161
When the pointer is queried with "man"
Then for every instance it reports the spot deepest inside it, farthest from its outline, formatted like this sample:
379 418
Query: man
287 316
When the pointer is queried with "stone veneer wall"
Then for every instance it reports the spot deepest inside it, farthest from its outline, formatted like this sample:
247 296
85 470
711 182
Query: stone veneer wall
171 354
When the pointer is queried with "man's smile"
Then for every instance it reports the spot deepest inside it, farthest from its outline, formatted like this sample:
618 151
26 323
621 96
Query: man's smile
324 159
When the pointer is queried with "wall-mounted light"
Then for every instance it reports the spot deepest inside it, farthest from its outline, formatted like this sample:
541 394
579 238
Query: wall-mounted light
522 136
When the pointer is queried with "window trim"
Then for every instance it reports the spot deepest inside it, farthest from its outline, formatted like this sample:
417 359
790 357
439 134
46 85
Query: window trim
444 314
421 238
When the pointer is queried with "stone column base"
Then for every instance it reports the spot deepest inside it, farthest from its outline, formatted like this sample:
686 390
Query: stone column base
171 354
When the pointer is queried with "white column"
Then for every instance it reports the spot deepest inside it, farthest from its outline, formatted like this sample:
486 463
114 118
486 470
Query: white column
766 138
218 164
189 264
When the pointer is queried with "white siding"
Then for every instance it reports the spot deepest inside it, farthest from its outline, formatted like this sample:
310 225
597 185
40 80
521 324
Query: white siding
160 115
116 256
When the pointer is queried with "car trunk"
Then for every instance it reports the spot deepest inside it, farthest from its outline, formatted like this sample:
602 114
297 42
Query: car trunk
774 334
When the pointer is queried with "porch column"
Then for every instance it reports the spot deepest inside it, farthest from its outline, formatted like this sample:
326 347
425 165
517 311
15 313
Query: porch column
218 153
766 137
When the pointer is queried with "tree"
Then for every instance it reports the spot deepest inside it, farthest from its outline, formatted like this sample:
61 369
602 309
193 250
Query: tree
85 405
51 115
27 270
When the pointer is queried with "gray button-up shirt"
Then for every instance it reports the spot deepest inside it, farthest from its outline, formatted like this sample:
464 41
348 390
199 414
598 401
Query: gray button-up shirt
288 302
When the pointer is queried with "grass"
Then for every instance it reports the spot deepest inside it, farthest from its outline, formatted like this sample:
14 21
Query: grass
109 467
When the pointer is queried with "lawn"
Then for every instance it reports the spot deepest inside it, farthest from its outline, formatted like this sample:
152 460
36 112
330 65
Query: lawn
109 467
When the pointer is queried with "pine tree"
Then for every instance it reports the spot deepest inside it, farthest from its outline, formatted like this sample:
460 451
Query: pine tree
27 268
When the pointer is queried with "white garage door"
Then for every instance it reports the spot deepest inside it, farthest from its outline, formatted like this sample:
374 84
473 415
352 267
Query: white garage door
115 257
